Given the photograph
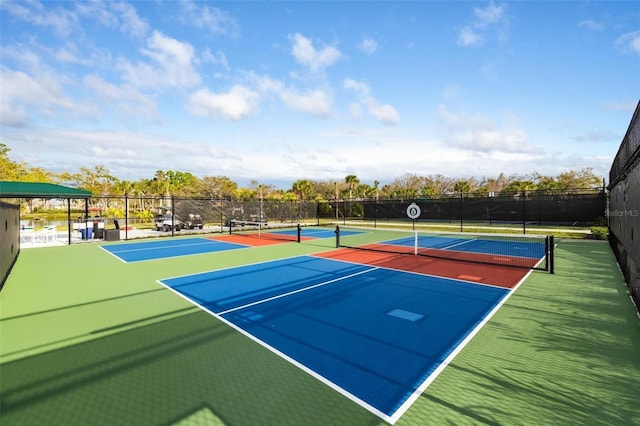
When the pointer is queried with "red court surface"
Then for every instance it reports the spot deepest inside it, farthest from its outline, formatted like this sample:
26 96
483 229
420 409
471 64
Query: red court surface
485 274
255 240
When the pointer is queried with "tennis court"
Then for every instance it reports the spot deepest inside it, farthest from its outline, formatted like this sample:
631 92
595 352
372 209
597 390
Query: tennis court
164 248
160 249
518 251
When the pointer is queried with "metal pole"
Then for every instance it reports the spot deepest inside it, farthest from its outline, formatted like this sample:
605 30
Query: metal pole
126 217
173 217
69 220
86 217
524 213
551 255
461 213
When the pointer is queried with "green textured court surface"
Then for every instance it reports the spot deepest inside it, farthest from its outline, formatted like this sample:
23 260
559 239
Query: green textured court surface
86 339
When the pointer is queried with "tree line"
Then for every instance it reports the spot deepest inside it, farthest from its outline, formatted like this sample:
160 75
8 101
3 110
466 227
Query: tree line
102 183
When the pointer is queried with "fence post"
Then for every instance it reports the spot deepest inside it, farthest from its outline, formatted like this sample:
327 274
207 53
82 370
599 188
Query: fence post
173 216
461 212
375 214
126 217
551 255
524 212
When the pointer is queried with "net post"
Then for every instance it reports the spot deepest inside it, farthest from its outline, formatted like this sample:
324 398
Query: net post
551 255
415 242
337 231
230 225
299 232
259 229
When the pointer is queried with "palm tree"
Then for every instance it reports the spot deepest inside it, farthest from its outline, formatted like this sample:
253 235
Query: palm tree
462 186
351 181
302 188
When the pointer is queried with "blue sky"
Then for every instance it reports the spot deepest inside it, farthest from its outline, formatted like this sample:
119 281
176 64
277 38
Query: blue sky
280 91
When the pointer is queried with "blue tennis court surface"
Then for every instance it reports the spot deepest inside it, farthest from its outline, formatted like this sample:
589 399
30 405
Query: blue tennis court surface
377 335
312 232
534 250
150 250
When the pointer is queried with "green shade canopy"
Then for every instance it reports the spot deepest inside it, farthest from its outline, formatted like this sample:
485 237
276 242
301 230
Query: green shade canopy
40 190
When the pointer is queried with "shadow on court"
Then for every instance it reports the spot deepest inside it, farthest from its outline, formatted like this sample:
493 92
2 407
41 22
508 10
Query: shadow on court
164 373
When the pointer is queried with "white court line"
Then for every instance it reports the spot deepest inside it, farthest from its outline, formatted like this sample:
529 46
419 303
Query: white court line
420 390
162 247
457 244
300 290
281 354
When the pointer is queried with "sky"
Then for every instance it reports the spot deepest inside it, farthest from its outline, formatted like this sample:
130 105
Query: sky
276 91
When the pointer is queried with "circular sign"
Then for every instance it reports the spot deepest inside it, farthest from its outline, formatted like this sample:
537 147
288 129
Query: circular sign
413 211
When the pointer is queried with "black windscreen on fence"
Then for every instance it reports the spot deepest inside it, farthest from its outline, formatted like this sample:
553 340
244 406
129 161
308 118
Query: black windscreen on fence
573 209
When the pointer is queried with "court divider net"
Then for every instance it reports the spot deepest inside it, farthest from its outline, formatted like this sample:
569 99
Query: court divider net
287 232
512 250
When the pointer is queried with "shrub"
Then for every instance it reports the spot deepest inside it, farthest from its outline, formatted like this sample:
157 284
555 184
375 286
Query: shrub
600 232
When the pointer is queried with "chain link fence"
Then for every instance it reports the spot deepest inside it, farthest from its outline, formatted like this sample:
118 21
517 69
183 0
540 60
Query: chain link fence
623 212
581 208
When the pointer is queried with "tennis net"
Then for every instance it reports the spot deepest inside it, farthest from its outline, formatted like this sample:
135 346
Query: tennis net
513 250
263 230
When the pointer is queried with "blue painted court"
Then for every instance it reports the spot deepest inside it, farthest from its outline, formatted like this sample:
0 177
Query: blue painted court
376 335
533 250
159 249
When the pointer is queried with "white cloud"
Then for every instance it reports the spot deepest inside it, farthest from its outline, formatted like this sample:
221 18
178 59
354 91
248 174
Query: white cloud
306 54
355 111
629 42
368 46
69 53
468 37
13 115
317 102
25 57
64 21
60 20
238 103
21 91
171 65
130 22
324 155
217 58
209 18
115 15
480 134
384 113
127 99
489 15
